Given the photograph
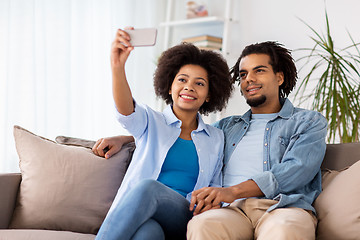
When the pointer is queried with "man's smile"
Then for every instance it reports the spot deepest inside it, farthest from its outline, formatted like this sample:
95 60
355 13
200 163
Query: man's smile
253 89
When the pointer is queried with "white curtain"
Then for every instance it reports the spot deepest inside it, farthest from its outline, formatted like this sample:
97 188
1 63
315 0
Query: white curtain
55 76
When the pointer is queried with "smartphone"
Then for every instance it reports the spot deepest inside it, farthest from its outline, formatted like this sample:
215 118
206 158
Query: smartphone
142 37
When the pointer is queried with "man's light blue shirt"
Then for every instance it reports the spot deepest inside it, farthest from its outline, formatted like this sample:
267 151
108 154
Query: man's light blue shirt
293 149
239 169
155 133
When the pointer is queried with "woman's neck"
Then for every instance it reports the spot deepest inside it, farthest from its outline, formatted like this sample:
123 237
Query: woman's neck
189 123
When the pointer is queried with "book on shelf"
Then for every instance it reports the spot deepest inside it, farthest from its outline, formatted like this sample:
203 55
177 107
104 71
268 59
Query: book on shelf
205 42
208 44
210 48
203 38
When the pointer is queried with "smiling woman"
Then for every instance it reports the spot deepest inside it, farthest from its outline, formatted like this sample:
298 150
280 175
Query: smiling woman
176 152
54 64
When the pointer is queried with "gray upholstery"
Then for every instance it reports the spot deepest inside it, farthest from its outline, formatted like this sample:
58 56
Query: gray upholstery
339 156
9 185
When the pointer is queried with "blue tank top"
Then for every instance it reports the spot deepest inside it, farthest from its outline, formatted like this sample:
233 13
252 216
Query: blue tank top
180 169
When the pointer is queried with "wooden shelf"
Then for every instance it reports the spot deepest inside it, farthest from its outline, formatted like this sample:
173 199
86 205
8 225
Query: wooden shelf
200 20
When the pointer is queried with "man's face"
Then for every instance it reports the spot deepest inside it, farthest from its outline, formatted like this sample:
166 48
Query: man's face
259 84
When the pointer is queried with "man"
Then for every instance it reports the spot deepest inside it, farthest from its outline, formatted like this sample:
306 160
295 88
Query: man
272 158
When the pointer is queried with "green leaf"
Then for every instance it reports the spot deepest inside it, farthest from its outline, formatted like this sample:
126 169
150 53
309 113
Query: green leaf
337 89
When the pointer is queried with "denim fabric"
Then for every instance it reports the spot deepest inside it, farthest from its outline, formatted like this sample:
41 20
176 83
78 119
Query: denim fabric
150 210
293 150
155 133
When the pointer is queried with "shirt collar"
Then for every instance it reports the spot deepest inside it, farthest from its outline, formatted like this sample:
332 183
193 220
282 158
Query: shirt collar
285 111
246 117
287 108
170 118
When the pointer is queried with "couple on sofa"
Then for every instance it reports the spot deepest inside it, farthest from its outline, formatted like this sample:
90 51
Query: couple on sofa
249 176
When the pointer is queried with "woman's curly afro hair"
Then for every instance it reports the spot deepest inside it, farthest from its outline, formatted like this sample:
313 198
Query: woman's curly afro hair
170 62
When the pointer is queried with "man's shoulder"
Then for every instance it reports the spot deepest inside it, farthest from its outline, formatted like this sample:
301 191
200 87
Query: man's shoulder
228 121
303 120
231 118
302 114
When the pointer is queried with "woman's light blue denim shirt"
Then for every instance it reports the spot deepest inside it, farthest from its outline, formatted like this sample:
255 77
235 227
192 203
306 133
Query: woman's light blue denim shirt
293 149
155 132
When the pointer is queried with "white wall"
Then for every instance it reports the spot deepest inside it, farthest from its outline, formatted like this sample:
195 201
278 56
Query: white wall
254 21
55 76
274 20
278 20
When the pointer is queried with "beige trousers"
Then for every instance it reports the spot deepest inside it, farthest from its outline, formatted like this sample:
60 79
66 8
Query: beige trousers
248 219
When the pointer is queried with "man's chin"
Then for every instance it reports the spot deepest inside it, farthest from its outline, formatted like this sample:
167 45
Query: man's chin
256 101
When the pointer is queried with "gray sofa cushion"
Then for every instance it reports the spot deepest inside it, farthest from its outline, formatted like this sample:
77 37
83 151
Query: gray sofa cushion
65 188
339 156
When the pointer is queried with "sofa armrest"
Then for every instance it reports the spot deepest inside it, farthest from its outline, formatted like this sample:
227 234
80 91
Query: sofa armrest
9 186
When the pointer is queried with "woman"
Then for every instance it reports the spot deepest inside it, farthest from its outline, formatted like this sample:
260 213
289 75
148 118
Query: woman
176 152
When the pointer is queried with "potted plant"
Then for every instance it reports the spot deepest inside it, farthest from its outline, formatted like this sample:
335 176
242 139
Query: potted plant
332 83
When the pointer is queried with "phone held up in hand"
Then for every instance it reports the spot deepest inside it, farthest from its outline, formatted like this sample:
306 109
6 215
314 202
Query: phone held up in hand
142 37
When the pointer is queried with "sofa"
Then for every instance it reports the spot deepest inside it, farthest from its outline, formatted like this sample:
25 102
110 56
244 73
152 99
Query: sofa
56 196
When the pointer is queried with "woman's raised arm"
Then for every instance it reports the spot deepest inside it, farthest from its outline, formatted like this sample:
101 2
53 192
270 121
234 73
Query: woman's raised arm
120 50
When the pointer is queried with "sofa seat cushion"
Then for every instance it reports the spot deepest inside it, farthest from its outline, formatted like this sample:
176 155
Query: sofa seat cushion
24 234
65 188
338 206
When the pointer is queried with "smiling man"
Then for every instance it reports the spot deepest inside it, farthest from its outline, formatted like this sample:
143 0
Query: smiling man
272 158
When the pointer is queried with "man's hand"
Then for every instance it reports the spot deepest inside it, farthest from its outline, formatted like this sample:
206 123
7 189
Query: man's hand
211 198
107 147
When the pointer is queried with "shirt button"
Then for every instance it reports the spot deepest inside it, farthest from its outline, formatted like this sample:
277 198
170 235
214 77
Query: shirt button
265 144
201 170
264 162
199 150
267 129
233 144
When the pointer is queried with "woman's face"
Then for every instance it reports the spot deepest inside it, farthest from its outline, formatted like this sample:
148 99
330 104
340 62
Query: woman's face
190 88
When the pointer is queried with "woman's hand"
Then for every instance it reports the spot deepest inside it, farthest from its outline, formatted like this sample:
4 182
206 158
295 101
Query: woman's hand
211 197
208 198
107 147
120 48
